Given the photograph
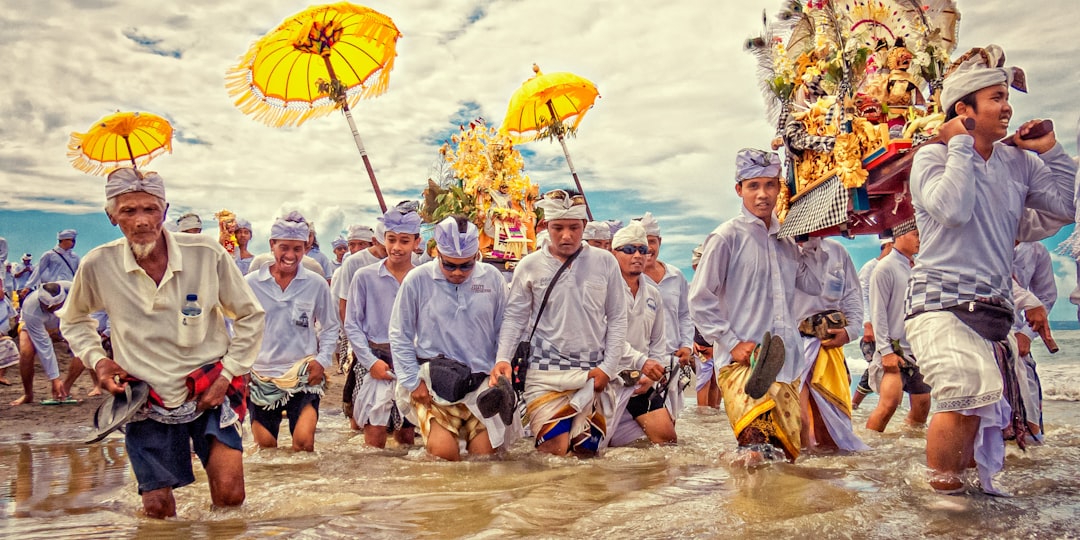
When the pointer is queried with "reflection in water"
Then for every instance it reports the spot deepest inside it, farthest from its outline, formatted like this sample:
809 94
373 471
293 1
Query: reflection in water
55 488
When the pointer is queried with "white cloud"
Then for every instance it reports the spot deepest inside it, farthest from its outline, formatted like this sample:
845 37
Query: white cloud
678 98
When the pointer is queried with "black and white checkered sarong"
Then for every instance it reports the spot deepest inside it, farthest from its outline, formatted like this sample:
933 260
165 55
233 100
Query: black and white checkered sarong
546 357
822 207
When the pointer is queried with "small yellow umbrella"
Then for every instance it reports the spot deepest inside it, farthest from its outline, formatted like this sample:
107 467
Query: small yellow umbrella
550 104
117 139
319 60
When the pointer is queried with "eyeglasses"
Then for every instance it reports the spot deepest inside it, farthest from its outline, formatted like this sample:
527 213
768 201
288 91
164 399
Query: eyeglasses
563 196
450 267
630 250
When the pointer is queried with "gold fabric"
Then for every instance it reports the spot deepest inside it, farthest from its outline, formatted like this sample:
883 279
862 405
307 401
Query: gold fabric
743 411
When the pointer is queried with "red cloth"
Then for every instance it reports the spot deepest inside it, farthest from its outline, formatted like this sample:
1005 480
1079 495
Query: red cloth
199 381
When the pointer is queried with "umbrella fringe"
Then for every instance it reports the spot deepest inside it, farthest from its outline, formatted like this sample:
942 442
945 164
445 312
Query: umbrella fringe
82 162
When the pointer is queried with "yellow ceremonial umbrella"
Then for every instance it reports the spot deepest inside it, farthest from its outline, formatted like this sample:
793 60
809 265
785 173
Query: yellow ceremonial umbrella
113 141
550 104
322 59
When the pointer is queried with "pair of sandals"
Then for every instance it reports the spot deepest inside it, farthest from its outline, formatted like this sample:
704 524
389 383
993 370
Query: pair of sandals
500 399
62 401
765 364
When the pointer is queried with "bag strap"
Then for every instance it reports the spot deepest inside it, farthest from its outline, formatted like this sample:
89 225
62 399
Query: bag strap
547 294
61 255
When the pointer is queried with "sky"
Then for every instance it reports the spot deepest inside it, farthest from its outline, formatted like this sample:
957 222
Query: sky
678 99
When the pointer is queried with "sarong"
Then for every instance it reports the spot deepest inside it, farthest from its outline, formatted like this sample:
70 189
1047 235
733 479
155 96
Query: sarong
462 418
962 371
560 402
829 383
777 413
274 392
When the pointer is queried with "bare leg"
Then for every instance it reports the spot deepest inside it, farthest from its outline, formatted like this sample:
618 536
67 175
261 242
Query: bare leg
920 409
714 394
890 392
822 440
303 435
74 371
950 442
405 435
262 436
3 379
658 426
856 399
26 369
225 471
375 436
480 445
558 446
159 503
442 444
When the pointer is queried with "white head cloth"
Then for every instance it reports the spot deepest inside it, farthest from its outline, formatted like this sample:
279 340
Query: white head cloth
596 230
188 221
980 68
566 209
339 242
129 180
360 232
754 163
614 225
52 294
632 234
401 219
66 234
695 255
291 227
242 223
652 227
453 242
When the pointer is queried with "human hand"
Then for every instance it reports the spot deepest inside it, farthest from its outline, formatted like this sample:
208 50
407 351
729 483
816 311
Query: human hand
381 370
741 353
685 355
868 332
503 369
1023 344
58 390
421 395
643 385
838 339
110 376
653 370
600 379
1040 145
954 127
891 363
213 396
315 372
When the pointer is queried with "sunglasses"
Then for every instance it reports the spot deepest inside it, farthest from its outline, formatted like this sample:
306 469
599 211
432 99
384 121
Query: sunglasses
563 195
630 250
450 267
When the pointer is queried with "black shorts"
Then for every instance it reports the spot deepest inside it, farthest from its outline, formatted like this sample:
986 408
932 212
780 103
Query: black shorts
913 380
271 418
645 403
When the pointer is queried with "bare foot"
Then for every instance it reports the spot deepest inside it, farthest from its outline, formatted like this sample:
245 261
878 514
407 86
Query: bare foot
95 392
20 401
4 381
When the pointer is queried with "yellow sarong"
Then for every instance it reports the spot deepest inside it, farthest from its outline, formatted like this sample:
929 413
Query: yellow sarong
742 410
831 378
456 418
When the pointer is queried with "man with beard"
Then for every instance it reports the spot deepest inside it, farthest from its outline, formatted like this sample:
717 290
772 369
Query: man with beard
167 296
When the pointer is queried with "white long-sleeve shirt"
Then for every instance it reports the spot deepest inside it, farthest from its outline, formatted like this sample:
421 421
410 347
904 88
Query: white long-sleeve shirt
1034 271
678 325
149 341
745 285
849 303
968 211
864 284
645 320
38 323
342 278
289 330
432 316
888 290
368 310
57 264
585 314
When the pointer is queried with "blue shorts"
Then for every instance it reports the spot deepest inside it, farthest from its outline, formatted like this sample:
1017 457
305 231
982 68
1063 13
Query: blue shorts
271 418
160 454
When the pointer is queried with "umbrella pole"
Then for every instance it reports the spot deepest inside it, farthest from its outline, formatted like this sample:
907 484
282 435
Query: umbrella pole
340 97
130 153
570 162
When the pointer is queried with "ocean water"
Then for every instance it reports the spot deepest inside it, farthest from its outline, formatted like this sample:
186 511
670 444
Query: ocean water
53 486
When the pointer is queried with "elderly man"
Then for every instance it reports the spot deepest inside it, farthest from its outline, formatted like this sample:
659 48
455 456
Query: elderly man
39 335
167 296
57 264
894 369
828 322
597 234
369 387
450 310
579 338
969 194
647 404
243 238
288 375
189 223
743 289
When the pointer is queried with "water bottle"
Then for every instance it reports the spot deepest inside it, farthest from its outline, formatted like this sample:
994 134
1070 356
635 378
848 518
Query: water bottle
191 307
834 284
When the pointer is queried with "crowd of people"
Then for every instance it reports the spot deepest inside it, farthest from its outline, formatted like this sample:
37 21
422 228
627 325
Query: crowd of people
592 340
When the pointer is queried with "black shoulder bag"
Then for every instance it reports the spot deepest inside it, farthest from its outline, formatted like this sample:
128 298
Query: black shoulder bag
519 364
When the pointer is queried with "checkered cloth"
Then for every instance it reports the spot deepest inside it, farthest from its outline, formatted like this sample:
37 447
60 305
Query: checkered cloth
822 207
930 289
797 137
546 357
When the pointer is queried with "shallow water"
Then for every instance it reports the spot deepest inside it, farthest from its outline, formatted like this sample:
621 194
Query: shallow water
53 486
